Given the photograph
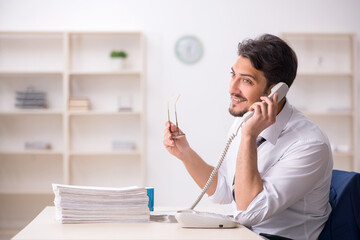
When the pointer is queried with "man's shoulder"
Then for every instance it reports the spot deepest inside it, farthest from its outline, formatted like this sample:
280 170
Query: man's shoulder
303 128
302 138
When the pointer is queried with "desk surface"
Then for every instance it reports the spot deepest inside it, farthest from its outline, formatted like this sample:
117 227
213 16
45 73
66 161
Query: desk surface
44 226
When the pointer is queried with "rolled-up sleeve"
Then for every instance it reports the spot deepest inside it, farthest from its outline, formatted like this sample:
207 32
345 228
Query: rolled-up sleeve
296 173
223 192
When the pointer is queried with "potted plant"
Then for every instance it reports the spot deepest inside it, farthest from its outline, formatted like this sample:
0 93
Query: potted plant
118 58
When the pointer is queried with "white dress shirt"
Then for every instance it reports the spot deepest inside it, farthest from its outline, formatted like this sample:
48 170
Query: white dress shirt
295 164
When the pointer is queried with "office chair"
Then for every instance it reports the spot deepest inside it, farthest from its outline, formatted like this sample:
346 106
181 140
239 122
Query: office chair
344 220
344 197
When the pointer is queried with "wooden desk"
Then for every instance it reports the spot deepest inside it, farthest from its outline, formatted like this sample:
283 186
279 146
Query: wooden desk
44 226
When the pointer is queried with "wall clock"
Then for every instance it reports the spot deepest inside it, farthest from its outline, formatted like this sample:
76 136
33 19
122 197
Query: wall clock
189 49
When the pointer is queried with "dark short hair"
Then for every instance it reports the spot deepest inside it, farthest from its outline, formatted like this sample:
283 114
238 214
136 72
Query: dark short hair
272 56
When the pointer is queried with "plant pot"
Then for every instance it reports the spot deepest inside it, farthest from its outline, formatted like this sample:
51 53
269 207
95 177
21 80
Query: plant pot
118 63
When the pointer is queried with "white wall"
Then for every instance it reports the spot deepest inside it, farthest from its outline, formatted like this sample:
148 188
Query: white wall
220 25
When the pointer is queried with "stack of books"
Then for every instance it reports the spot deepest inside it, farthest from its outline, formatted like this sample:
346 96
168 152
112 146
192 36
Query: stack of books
30 99
79 104
79 204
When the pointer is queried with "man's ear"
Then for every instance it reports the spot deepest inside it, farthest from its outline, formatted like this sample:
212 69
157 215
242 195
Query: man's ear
268 91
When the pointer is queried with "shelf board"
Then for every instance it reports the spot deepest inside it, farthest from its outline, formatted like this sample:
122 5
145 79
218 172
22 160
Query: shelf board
328 113
25 73
104 33
102 113
105 73
31 152
26 192
32 112
32 33
107 153
338 154
316 34
324 74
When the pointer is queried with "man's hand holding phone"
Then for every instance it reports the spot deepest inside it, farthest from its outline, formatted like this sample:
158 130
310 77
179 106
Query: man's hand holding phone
264 115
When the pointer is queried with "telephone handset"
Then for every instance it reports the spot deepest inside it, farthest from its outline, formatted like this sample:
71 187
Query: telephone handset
193 219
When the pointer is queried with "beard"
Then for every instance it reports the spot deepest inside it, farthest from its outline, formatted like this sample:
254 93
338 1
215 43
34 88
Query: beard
232 107
241 113
235 113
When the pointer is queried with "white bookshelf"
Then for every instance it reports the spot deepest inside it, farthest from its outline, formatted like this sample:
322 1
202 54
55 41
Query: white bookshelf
67 65
326 89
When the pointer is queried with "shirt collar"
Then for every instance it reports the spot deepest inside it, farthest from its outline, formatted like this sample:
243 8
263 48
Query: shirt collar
273 132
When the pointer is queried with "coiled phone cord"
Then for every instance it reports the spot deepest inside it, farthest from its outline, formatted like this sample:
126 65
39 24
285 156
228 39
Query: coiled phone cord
216 169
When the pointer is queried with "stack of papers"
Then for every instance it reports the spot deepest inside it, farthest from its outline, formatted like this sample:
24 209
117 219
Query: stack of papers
167 216
79 204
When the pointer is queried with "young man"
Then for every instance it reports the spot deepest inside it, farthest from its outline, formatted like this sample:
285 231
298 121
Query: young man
277 171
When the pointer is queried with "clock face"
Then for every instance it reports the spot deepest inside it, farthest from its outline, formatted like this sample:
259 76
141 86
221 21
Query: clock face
189 49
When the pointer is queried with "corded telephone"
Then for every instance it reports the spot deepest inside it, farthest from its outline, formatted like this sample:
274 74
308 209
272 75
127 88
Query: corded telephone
194 219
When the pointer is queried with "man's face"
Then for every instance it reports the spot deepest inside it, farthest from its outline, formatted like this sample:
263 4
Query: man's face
247 85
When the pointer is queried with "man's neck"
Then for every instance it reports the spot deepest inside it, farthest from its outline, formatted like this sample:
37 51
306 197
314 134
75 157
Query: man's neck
281 105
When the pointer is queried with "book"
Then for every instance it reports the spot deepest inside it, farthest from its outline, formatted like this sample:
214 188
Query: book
30 99
79 108
77 104
83 204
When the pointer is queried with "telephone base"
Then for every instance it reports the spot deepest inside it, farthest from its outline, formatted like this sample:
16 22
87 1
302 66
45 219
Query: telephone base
195 219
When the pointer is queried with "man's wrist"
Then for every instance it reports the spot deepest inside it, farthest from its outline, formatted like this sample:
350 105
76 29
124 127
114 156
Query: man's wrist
248 137
187 155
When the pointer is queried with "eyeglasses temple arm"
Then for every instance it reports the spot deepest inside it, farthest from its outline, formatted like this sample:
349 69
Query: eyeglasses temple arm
177 125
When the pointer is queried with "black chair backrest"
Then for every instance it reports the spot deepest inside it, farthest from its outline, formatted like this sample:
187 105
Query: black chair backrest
344 220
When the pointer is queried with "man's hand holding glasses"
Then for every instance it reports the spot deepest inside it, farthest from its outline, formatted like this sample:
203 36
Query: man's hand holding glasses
175 131
174 139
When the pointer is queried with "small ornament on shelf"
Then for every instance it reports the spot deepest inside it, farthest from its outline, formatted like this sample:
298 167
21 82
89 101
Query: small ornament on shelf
125 103
123 145
79 104
30 99
118 59
37 145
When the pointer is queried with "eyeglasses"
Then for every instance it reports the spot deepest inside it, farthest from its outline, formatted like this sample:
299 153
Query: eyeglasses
177 133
